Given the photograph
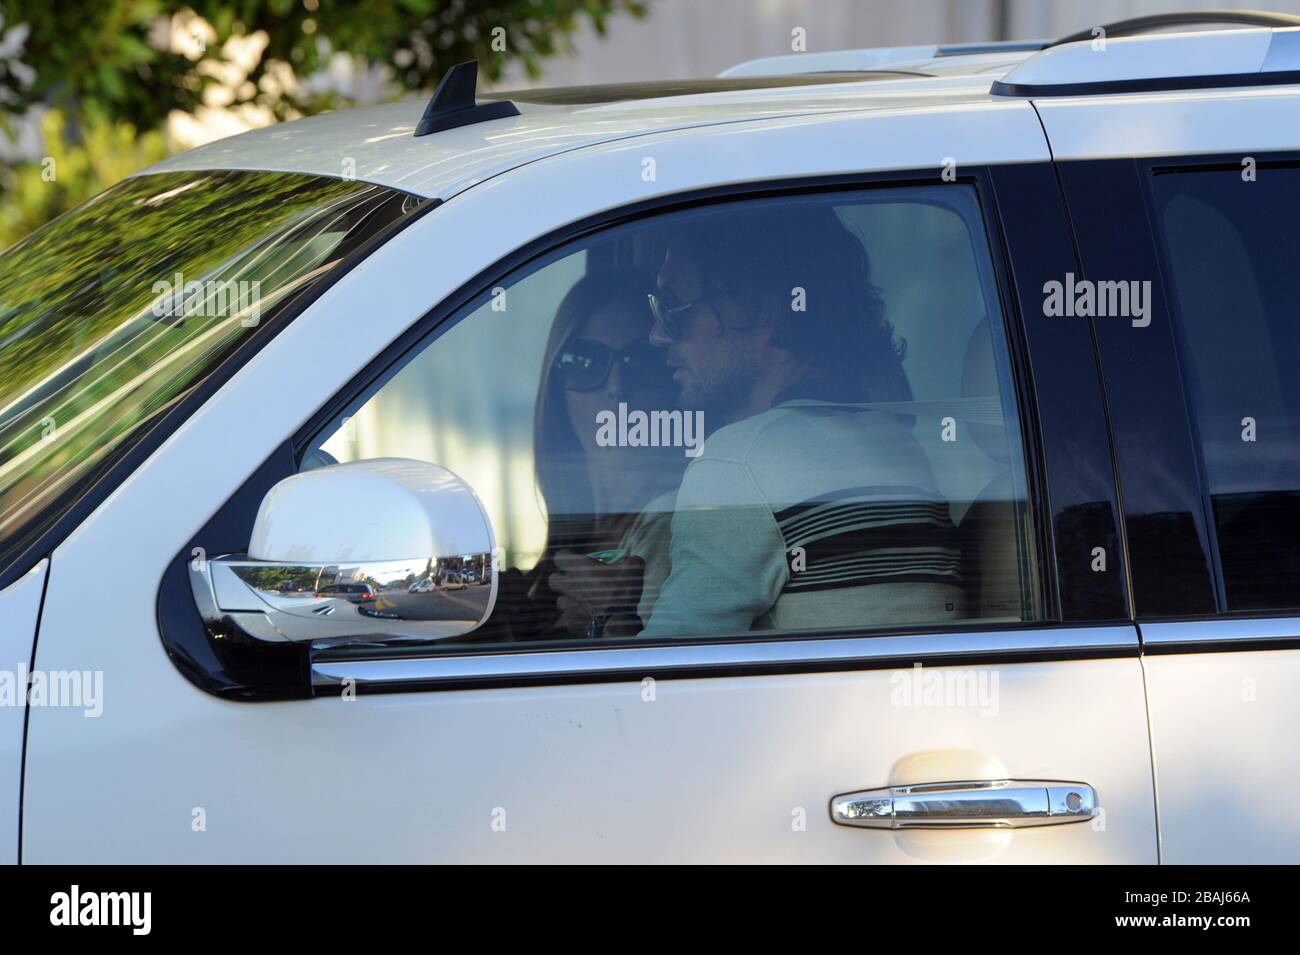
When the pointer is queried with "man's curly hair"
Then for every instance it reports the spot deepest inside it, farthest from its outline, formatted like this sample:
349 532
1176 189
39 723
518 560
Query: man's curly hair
764 252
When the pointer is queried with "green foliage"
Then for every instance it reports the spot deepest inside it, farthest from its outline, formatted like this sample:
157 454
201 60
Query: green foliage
86 359
33 193
107 71
109 57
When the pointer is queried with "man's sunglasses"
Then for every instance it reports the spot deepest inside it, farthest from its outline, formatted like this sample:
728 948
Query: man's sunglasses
584 365
669 316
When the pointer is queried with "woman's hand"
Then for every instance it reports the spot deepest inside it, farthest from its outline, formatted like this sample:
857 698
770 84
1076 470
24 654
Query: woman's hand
596 598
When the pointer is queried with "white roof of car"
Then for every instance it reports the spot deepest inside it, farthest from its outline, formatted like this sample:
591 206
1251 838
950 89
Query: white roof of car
377 144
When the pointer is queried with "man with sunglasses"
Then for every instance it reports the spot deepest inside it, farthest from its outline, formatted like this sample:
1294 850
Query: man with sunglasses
808 507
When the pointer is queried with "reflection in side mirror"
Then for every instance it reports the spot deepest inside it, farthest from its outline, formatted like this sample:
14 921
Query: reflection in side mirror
362 552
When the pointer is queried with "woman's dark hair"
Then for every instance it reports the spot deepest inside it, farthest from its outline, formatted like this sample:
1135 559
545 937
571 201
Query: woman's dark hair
561 463
776 255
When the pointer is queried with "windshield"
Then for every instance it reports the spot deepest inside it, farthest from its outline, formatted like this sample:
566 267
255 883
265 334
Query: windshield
114 311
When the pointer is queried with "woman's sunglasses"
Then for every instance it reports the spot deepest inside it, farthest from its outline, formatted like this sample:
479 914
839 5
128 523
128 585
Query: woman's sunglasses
584 365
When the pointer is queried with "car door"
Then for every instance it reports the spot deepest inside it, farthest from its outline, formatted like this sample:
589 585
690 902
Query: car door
1203 404
981 648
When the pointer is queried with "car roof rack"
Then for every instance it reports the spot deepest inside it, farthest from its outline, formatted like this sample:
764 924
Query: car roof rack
990 46
661 89
1086 64
453 103
1160 22
873 58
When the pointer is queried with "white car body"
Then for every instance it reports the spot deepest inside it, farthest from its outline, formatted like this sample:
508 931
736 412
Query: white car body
722 768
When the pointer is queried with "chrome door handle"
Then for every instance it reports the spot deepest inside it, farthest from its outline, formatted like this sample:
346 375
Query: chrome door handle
981 804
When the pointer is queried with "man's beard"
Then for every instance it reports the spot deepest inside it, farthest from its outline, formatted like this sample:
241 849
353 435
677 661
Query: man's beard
721 392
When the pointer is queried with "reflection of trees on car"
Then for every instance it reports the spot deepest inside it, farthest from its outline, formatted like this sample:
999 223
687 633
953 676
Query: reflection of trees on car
283 579
93 350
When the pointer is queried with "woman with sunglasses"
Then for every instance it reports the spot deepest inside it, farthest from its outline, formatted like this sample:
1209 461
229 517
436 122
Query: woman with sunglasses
613 504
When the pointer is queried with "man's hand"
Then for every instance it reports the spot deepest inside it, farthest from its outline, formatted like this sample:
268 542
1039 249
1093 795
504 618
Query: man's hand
597 598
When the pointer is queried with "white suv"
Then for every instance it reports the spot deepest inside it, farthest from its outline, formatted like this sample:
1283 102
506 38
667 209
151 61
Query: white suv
875 456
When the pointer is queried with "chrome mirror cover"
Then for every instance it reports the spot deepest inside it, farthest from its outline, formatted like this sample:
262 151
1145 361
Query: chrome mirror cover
367 551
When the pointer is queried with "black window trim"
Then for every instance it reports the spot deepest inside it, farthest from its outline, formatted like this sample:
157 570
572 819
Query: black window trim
1148 429
1060 365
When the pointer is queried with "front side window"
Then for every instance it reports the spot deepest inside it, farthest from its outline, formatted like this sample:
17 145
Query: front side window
776 415
111 313
1231 250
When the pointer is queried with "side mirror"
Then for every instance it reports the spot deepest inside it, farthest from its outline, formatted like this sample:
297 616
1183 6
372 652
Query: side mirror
366 551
